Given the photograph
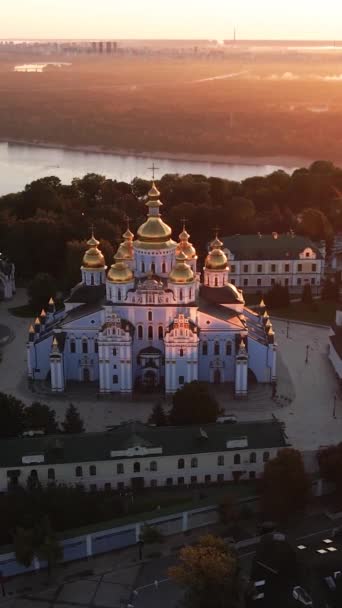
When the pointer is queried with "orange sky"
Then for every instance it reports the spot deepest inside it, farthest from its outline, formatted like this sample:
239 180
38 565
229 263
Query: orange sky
298 19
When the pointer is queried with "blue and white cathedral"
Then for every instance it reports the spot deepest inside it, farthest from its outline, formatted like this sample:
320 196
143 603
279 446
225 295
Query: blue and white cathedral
150 321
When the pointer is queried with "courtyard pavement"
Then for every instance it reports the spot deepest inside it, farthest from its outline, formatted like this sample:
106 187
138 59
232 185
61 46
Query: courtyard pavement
305 391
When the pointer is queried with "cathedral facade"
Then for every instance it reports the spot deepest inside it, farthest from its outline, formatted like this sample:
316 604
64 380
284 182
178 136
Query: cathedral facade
150 321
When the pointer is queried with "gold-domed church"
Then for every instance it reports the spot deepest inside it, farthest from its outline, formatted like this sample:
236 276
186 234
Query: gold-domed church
151 320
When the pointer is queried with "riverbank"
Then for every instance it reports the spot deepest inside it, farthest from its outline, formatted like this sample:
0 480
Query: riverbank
290 162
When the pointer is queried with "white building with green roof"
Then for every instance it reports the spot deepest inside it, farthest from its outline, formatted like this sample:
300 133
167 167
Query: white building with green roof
259 261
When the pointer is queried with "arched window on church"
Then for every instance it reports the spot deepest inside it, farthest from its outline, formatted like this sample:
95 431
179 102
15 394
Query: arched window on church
142 266
140 332
190 293
153 267
181 294
150 332
119 294
205 348
216 348
163 268
72 346
84 346
160 332
96 346
216 282
92 280
228 348
181 352
149 315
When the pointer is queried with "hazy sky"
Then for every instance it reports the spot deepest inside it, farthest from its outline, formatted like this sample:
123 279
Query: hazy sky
171 18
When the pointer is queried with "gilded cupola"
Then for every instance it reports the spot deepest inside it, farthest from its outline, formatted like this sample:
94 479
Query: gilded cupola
185 246
154 233
181 272
120 273
216 258
125 249
93 257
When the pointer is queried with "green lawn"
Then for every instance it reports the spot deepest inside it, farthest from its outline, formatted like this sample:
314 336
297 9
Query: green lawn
321 312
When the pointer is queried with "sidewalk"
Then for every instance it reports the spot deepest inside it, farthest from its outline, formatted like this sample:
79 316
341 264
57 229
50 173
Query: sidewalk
103 581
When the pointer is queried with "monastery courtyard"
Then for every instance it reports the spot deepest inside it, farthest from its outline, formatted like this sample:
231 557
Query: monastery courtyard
305 391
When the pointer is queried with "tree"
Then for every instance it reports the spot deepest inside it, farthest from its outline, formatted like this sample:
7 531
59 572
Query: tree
307 294
209 574
73 422
227 510
47 547
39 541
39 416
330 463
285 486
24 546
193 404
316 225
11 416
150 535
278 296
40 290
158 416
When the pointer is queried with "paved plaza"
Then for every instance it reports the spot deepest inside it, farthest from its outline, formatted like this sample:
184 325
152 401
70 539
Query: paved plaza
305 390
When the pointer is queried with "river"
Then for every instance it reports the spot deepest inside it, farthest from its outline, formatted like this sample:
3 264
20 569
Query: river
20 164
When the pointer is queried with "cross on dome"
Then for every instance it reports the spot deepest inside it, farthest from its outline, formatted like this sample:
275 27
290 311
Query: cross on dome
153 169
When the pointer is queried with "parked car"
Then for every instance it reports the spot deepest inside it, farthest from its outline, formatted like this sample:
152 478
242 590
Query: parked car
302 596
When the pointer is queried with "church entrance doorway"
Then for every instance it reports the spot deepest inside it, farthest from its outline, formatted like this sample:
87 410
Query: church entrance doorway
217 376
150 379
86 375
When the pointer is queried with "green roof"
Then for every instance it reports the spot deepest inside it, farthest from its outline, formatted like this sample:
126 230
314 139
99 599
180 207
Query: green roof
267 247
92 447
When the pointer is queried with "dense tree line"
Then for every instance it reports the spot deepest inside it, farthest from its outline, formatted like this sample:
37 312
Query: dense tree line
44 228
16 418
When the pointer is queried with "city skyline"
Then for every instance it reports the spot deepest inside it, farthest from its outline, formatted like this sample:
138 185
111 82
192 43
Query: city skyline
214 19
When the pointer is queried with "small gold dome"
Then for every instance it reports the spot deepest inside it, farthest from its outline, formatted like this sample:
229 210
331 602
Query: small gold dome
93 258
120 273
153 192
125 251
181 272
216 243
216 260
187 248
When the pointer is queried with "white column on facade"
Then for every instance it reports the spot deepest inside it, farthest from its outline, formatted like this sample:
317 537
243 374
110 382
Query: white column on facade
29 363
101 376
274 362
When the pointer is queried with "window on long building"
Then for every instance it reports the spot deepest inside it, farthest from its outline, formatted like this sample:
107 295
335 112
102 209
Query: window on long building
140 332
72 346
84 346
150 332
205 348
216 348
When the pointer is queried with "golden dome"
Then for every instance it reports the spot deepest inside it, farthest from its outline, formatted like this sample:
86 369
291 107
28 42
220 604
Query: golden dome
187 248
181 272
216 243
93 257
124 252
154 233
120 273
154 230
216 260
